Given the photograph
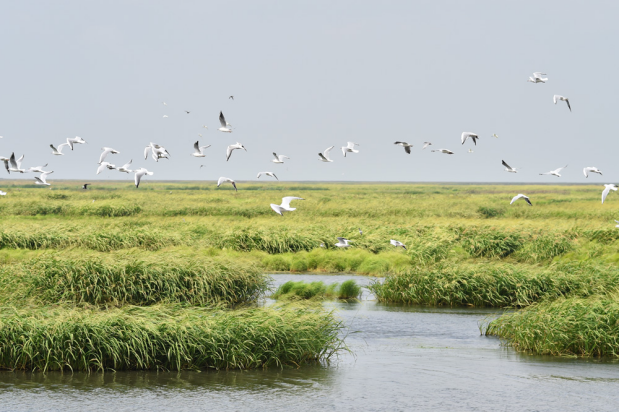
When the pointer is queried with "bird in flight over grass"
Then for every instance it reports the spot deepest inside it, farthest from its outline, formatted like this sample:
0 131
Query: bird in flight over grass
324 156
521 196
42 179
85 186
16 164
607 189
554 172
103 165
588 170
398 244
406 146
267 173
285 206
138 176
125 168
226 180
106 151
342 242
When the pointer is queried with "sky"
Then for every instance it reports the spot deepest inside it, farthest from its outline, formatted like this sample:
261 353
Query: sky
306 75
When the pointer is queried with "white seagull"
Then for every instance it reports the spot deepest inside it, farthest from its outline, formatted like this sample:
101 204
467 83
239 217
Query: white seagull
342 242
396 244
466 135
58 151
557 97
554 172
426 144
285 206
106 151
138 175
125 168
268 174
406 146
324 156
443 151
537 78
42 179
1 192
225 126
157 152
199 150
76 140
279 158
586 171
508 168
349 148
226 180
607 190
16 164
521 196
103 165
233 147
37 169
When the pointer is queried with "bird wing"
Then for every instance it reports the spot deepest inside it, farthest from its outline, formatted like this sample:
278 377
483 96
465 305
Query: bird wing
286 201
53 148
426 144
322 156
464 136
260 174
104 154
528 201
146 151
13 162
274 176
202 147
407 149
6 166
38 179
586 170
138 176
326 152
126 165
505 164
555 98
559 169
101 167
70 143
222 119
344 150
605 193
234 185
342 240
277 209
229 152
196 146
568 104
221 180
515 198
538 74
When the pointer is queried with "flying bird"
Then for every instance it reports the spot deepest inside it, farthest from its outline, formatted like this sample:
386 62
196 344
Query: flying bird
199 150
521 196
226 180
103 165
466 135
157 152
554 172
58 151
537 78
508 168
470 150
16 164
557 97
37 169
187 111
106 151
607 189
495 135
398 244
125 168
426 144
268 174
279 158
232 147
586 171
42 179
138 175
285 206
342 242
443 151
76 140
349 148
225 126
406 146
231 97
85 186
324 156
165 115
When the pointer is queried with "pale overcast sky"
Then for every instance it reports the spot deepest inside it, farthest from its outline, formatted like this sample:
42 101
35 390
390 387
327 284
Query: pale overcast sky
310 74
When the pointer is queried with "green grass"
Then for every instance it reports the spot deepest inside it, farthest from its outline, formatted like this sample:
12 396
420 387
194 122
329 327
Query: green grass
165 338
348 290
573 326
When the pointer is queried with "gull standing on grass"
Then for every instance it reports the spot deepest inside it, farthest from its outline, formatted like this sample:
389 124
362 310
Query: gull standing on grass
508 168
342 242
443 151
426 144
557 97
398 244
586 171
324 156
125 168
226 180
232 147
106 151
42 179
58 151
406 146
537 78
225 126
279 158
16 164
607 190
268 174
285 206
521 196
138 176
199 150
554 172
103 165
466 135
349 148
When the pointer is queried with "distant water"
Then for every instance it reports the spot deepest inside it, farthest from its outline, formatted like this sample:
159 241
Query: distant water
405 358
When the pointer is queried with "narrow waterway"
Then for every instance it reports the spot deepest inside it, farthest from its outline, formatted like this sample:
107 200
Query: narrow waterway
405 358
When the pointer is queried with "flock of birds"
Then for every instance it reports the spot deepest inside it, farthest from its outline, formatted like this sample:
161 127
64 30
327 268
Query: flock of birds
158 152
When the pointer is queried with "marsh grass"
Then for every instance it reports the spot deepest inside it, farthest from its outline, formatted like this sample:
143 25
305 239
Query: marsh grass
573 326
165 338
348 290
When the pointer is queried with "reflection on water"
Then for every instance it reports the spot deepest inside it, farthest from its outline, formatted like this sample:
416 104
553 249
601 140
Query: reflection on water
406 358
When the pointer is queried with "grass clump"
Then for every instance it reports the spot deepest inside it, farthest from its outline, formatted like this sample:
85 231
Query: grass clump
572 326
165 338
348 290
94 281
